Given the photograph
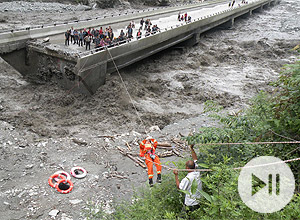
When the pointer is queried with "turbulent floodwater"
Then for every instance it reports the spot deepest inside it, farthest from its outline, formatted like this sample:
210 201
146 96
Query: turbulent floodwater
229 66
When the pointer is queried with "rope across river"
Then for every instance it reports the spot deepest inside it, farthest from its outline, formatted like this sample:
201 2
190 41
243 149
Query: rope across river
237 168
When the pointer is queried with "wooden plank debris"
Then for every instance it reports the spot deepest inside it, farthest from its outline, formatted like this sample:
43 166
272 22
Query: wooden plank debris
177 153
129 148
118 176
131 157
105 148
163 144
168 153
105 136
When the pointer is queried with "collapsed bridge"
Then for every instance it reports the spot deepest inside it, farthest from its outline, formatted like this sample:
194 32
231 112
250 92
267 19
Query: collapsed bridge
85 71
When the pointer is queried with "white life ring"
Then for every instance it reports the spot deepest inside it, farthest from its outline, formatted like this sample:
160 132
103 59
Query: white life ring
78 176
64 173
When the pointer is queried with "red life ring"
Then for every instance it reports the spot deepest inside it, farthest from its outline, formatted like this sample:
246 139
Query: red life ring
55 176
64 191
65 174
78 176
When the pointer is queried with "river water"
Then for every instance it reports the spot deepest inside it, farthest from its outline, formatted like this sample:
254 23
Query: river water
228 66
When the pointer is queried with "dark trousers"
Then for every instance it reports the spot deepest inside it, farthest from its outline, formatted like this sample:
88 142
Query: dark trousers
72 38
189 209
80 42
88 44
67 41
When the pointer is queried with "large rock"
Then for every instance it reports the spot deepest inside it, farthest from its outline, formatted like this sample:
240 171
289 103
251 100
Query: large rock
152 2
164 2
107 3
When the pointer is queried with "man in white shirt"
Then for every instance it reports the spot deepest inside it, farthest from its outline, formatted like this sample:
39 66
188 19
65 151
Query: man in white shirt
193 177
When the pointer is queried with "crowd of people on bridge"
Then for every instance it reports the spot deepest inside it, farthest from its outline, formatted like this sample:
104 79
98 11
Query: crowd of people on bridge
231 3
184 17
106 38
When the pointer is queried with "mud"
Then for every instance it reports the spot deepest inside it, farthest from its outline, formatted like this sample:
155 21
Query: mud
44 128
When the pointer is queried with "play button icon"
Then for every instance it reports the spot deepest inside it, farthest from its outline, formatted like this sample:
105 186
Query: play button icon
266 184
257 182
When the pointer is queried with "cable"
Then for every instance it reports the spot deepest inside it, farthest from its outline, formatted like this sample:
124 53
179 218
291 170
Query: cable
237 168
126 90
251 143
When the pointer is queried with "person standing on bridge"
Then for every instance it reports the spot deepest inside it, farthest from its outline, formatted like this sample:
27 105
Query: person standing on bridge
129 32
146 24
76 36
72 34
87 40
67 38
80 39
97 41
147 150
110 34
93 34
102 43
101 33
132 24
96 34
85 33
232 3
122 36
142 23
139 34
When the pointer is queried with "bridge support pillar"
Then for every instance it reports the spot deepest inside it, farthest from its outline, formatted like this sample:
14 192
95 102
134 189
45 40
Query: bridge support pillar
192 41
228 24
266 6
91 72
246 15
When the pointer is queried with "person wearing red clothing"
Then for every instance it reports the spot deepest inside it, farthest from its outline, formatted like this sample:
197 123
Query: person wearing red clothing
147 150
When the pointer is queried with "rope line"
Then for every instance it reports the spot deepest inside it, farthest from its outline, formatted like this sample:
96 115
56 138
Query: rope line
251 143
282 136
126 90
236 168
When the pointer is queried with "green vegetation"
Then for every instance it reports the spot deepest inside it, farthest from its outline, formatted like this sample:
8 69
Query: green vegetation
271 118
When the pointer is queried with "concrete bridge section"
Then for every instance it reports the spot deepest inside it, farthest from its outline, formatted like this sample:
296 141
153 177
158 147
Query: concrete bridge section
85 72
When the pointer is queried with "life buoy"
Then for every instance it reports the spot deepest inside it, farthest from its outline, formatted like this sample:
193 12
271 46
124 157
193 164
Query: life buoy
54 177
74 172
65 174
67 190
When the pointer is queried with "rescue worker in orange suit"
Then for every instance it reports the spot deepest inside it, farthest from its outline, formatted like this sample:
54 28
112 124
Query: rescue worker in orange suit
147 150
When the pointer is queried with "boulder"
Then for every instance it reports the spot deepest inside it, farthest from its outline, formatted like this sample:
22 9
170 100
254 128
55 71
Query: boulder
107 3
152 2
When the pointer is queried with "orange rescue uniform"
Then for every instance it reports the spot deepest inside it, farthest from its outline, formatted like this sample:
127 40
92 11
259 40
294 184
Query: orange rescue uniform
147 150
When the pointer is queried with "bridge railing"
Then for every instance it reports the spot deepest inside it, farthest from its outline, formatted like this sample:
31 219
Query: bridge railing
74 22
100 49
